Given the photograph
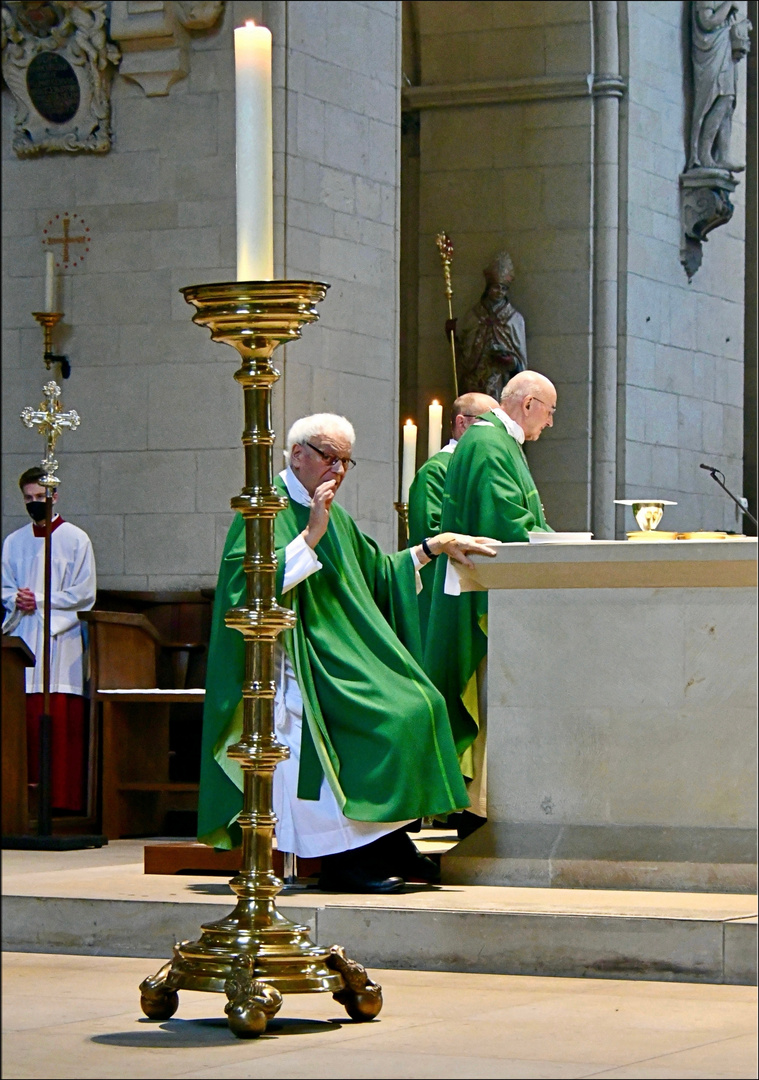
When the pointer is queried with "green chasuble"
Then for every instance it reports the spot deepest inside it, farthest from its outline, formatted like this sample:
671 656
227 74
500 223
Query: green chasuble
488 492
424 507
373 723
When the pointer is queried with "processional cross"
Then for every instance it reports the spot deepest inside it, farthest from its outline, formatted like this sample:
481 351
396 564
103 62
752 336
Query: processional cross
51 421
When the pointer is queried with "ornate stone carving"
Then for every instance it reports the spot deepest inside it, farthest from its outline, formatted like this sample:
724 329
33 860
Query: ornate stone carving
57 63
719 41
155 36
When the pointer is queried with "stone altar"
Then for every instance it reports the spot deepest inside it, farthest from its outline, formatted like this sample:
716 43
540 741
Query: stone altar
621 697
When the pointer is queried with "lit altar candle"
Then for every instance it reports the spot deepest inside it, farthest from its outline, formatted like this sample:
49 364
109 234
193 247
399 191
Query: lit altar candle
254 165
409 459
49 281
435 432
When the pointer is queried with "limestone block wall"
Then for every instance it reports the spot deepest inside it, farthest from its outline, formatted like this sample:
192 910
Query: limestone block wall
683 343
511 169
150 471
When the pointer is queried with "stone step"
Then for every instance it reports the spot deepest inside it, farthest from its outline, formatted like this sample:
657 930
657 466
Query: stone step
101 902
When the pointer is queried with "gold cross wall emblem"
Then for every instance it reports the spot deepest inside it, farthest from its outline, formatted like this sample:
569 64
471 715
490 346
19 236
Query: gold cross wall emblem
66 222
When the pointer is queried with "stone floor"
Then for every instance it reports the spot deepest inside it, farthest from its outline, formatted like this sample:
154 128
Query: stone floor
78 1016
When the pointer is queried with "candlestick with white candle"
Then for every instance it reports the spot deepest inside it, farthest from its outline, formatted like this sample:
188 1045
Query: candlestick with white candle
254 166
435 430
409 459
49 281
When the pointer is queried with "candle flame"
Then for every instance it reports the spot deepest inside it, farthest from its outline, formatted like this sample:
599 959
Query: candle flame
250 22
409 423
435 401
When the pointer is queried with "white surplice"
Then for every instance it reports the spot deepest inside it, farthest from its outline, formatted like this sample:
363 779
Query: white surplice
73 588
306 827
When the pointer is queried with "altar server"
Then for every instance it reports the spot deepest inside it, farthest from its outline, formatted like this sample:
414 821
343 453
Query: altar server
73 590
369 737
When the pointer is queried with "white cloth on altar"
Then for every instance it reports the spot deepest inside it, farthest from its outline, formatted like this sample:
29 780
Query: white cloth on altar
73 588
308 828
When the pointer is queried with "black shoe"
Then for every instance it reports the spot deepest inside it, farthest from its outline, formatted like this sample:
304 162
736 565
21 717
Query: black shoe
356 879
468 823
400 856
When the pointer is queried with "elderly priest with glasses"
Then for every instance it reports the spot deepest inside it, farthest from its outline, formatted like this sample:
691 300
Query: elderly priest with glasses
370 742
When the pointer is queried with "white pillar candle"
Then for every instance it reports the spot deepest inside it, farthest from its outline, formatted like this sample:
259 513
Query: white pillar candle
49 281
409 459
254 163
435 432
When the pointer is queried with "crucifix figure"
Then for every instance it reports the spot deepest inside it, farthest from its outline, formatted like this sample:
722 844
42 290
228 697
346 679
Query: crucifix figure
51 421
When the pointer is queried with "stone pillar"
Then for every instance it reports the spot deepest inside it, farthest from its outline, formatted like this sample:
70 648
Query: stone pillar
607 90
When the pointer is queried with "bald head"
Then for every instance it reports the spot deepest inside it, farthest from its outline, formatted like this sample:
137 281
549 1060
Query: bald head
466 409
530 399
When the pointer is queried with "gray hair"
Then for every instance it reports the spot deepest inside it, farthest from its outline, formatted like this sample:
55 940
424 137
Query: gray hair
323 423
523 384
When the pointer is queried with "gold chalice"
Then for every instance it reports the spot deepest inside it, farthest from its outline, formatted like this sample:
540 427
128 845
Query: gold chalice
648 514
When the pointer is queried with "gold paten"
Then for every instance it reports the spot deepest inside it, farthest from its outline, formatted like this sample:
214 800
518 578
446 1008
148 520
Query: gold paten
255 955
703 534
653 535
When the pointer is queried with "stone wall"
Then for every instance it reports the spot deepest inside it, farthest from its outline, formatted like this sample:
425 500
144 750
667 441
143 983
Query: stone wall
511 171
524 143
683 343
150 471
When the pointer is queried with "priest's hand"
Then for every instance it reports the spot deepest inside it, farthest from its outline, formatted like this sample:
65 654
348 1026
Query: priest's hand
457 546
318 519
25 600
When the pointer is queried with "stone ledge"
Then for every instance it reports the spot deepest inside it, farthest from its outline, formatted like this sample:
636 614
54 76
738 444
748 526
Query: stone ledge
579 945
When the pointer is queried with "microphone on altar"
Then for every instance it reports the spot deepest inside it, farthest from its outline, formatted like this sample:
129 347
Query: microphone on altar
741 504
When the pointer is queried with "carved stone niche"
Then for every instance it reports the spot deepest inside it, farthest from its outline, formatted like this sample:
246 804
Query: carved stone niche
704 205
58 64
154 36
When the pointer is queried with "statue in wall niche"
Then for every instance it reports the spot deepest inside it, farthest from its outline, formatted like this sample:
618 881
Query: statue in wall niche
491 346
720 40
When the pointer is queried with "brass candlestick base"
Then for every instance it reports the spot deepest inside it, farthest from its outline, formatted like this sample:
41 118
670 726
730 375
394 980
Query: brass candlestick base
255 955
47 320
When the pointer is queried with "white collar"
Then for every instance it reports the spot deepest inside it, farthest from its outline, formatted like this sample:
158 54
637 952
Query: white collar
449 447
295 489
511 426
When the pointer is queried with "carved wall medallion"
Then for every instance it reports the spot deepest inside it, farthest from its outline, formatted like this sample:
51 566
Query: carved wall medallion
58 65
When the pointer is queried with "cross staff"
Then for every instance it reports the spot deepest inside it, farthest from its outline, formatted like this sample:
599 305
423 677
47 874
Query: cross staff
51 421
445 247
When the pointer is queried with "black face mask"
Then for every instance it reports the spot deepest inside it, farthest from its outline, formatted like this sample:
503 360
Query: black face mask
36 511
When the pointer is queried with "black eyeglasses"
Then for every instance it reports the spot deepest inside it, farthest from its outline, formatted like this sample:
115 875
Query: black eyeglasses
331 459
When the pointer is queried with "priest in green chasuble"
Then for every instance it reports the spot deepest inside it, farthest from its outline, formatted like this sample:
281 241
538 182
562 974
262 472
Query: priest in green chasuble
488 491
370 742
426 492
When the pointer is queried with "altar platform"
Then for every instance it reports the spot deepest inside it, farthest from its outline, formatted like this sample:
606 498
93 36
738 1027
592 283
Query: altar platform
100 902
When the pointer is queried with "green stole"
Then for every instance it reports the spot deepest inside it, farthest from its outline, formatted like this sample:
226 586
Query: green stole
489 491
373 723
424 508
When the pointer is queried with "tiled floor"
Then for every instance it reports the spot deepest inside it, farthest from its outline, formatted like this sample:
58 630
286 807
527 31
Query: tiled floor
79 1016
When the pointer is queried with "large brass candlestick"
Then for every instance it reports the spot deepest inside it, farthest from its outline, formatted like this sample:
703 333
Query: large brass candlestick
255 954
